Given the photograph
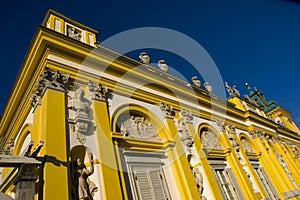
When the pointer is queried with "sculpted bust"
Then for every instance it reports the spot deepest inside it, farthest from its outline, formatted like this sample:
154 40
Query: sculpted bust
80 104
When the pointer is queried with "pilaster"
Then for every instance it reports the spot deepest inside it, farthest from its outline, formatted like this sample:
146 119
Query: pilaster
232 157
179 163
111 187
48 101
208 173
275 170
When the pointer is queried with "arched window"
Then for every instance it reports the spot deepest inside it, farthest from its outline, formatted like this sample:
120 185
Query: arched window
249 155
142 154
215 152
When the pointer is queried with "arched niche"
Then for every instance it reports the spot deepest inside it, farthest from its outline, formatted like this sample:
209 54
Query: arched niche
247 144
135 121
211 139
23 139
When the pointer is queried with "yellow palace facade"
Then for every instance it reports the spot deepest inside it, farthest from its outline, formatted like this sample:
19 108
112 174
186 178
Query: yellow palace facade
85 122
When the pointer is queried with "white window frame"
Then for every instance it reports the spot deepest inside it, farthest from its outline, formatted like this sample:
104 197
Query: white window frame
144 164
225 178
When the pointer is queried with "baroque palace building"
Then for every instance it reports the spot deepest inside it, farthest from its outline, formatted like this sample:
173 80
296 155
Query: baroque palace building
85 122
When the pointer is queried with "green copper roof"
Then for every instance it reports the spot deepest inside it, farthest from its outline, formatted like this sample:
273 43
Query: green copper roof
260 99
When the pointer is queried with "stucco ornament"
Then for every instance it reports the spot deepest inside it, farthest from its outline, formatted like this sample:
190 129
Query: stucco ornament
81 115
48 79
167 110
138 127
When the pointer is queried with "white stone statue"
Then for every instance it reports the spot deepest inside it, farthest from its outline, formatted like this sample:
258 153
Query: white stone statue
235 90
196 81
229 89
79 103
144 58
163 65
207 86
82 173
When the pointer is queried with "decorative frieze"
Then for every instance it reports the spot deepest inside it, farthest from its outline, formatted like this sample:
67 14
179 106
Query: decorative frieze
48 79
274 139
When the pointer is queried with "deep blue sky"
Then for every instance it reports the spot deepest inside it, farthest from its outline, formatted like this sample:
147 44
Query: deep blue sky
254 41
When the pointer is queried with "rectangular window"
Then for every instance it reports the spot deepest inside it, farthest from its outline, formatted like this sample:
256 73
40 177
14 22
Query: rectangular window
267 184
150 183
146 176
57 25
91 40
226 180
225 184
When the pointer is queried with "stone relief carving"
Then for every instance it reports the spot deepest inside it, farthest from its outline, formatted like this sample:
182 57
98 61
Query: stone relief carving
284 165
230 130
246 146
82 187
185 117
9 148
167 110
98 92
138 127
183 133
82 115
295 150
144 58
210 140
221 125
48 79
255 133
273 139
74 33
